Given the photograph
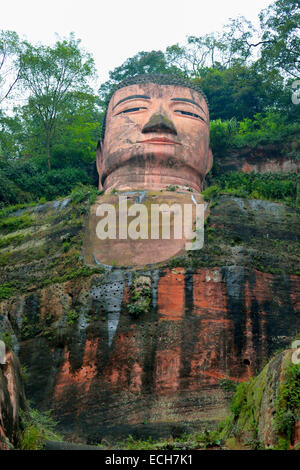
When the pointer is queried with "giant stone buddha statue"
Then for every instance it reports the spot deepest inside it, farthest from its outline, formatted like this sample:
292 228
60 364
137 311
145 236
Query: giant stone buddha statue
154 149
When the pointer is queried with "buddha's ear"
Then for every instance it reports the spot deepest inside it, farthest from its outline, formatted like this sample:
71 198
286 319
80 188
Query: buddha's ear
99 154
209 161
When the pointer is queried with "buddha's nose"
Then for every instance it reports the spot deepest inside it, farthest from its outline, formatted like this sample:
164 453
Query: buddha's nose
159 122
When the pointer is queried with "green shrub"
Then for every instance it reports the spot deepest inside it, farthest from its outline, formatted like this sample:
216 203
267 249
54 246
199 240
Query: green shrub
221 136
11 224
141 296
38 426
211 193
6 290
135 309
72 317
7 338
26 181
171 188
7 210
137 444
288 401
73 273
270 186
82 192
239 401
228 385
66 246
271 127
11 240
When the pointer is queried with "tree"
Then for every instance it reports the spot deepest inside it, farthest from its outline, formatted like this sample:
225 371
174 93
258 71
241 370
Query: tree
143 62
240 91
11 132
280 42
51 75
213 50
10 48
77 133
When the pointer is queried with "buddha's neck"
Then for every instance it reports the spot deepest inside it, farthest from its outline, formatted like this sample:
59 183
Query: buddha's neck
127 178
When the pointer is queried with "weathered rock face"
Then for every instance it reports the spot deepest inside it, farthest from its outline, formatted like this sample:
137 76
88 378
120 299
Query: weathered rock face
128 251
117 351
264 159
266 410
12 400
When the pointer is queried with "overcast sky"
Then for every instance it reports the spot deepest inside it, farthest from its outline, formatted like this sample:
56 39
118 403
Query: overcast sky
114 30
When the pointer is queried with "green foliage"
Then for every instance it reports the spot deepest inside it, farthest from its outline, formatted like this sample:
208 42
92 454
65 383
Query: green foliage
239 401
7 338
221 135
280 187
271 127
66 246
11 240
288 403
138 444
38 426
171 188
246 408
72 316
6 290
30 326
280 40
239 91
242 71
135 309
211 193
268 128
140 300
73 273
228 385
13 223
208 439
27 181
24 374
203 440
82 192
54 75
142 62
10 48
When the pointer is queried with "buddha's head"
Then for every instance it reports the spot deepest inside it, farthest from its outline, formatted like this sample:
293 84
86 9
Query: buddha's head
155 134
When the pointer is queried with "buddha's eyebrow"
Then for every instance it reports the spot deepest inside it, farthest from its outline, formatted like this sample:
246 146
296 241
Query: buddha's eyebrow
132 97
189 101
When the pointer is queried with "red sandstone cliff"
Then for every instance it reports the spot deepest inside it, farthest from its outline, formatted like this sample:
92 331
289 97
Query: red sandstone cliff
12 400
214 314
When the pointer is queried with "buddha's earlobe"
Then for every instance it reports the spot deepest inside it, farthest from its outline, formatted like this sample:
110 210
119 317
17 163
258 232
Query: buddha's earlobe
99 159
209 161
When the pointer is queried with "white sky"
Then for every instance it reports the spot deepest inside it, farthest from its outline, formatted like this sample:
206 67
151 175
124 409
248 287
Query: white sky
113 30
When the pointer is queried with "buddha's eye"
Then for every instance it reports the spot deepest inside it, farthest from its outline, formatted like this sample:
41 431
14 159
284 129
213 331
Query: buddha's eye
186 113
131 110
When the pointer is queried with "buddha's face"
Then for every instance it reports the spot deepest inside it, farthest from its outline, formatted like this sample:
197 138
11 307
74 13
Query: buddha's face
156 135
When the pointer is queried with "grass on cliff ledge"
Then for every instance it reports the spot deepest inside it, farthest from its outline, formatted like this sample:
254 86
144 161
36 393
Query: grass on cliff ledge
38 426
287 405
203 440
242 425
278 187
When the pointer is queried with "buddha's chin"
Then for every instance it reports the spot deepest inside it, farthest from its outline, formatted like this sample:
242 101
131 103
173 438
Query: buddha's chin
152 174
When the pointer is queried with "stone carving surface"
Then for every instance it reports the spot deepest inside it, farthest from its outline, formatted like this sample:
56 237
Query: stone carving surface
154 151
156 134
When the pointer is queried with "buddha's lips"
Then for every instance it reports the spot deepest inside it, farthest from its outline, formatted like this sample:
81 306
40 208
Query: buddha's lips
158 140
